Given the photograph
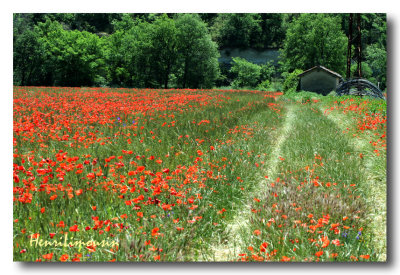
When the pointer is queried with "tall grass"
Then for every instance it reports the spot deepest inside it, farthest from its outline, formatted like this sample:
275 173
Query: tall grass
156 173
313 208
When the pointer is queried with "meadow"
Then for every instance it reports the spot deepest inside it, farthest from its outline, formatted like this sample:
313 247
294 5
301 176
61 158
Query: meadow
102 174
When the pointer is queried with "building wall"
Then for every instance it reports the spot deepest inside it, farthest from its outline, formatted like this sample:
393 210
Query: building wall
319 82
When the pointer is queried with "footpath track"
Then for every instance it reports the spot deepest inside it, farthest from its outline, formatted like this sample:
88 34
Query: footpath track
239 226
307 132
377 189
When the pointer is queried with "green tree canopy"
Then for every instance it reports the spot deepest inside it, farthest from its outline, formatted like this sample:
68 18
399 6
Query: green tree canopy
376 59
240 30
73 57
28 58
156 50
163 49
197 62
315 39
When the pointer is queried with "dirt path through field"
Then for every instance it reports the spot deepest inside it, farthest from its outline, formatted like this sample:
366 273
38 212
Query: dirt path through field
239 227
376 197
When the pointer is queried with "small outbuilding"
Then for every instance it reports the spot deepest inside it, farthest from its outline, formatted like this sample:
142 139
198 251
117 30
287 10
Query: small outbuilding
319 80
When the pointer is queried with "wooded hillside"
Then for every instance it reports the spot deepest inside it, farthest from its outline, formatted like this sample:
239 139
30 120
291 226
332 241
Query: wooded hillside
182 50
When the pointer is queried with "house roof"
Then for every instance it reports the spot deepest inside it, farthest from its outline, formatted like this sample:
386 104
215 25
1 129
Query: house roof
319 67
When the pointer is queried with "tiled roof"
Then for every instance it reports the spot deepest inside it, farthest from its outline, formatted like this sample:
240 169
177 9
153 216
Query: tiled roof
320 68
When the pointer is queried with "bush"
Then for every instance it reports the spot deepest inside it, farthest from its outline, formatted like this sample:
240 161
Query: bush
267 71
264 86
291 81
247 73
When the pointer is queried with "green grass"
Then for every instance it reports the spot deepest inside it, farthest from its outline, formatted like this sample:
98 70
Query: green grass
320 174
205 155
213 179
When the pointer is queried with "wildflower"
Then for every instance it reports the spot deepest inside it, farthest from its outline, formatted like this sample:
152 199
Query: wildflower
222 211
285 259
74 228
263 246
325 241
154 231
319 253
353 258
47 256
64 258
336 242
91 248
366 257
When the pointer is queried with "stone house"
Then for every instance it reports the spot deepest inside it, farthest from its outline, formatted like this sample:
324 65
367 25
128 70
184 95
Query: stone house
319 80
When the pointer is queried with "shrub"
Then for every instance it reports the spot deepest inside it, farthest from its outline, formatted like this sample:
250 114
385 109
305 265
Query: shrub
264 86
247 73
291 81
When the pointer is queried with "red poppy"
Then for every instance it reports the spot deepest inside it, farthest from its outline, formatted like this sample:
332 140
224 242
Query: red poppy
47 256
53 197
166 170
319 253
64 258
74 228
285 259
154 231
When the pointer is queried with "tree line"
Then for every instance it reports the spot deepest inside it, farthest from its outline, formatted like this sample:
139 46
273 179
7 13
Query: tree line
182 50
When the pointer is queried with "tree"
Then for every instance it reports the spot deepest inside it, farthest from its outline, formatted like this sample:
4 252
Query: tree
144 54
119 51
273 32
376 59
28 59
124 24
315 39
73 58
374 46
197 61
137 46
116 71
240 30
163 38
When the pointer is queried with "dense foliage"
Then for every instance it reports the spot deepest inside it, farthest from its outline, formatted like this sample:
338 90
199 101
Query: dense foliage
247 74
182 50
315 39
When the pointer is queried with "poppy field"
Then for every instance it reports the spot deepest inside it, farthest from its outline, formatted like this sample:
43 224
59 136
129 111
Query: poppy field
102 174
